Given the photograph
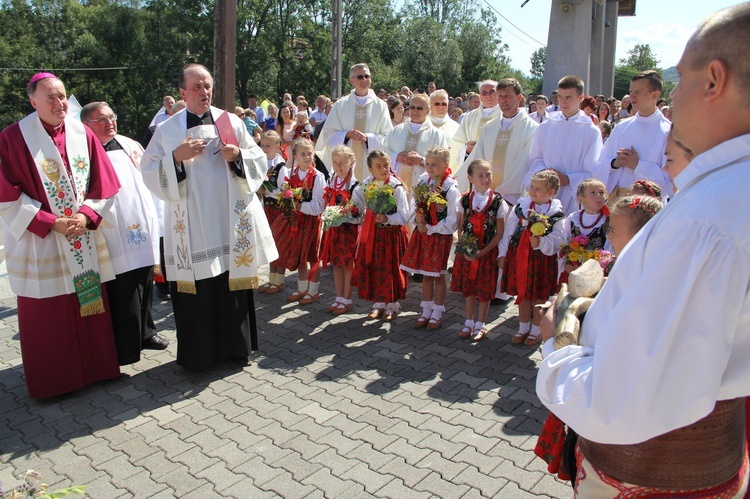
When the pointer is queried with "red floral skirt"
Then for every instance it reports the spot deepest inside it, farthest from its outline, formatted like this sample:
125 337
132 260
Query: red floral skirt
297 240
541 282
549 445
484 285
382 280
272 213
341 244
427 254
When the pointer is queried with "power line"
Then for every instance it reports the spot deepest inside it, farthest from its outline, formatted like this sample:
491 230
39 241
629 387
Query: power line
519 29
66 69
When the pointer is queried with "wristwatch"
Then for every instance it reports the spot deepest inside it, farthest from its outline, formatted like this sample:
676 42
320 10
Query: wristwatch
612 164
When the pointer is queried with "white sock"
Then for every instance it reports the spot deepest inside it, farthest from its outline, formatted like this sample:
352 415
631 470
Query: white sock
478 326
393 307
279 279
345 301
302 286
469 323
379 305
426 308
535 331
437 312
523 327
312 288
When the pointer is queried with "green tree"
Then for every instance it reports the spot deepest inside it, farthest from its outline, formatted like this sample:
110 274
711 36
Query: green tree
538 60
641 57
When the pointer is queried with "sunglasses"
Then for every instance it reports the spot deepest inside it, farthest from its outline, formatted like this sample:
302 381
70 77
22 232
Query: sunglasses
439 103
418 108
487 92
363 77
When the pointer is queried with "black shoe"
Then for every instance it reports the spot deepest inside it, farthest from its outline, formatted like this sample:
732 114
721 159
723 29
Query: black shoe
156 342
163 293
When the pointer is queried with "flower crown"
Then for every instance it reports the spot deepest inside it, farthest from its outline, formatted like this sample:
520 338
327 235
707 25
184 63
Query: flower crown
637 203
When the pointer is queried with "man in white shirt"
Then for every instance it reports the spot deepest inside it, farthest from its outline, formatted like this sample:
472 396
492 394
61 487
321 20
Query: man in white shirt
662 368
319 115
568 143
132 239
260 114
471 125
635 149
359 120
555 106
540 115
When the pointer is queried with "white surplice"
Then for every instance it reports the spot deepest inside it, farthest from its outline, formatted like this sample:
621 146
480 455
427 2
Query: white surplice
669 334
133 238
571 146
341 120
204 193
446 125
648 136
469 131
395 143
516 159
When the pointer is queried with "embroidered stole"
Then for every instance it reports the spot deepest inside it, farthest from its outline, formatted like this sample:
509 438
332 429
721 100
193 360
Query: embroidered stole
407 171
65 197
483 121
243 265
359 148
498 156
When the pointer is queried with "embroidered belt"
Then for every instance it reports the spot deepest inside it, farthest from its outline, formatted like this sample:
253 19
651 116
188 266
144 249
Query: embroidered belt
270 202
704 454
384 226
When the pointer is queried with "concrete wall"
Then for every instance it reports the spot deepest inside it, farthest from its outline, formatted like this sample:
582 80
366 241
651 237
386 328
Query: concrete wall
568 42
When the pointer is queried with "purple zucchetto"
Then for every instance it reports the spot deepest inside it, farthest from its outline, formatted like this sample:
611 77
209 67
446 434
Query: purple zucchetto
39 76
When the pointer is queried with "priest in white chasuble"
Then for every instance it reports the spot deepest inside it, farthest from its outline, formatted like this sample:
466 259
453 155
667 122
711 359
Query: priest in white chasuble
439 114
359 120
568 143
207 168
471 125
132 239
506 143
56 188
408 143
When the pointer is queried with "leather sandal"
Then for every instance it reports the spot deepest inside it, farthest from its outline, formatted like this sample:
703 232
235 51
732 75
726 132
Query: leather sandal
434 324
421 322
308 299
519 338
333 306
479 335
532 341
274 288
390 315
264 287
465 333
342 309
296 296
376 313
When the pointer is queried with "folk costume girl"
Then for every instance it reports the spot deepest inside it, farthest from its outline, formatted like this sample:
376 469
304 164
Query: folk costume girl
585 227
528 252
297 232
339 245
481 220
382 240
270 142
435 202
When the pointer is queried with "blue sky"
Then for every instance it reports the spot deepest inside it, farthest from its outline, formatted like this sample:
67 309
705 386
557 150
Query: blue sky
664 24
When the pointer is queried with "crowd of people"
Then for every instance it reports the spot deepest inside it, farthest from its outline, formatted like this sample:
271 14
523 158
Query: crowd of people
507 199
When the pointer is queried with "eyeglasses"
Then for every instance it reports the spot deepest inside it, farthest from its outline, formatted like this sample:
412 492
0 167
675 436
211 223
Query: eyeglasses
363 77
105 119
418 108
439 103
487 92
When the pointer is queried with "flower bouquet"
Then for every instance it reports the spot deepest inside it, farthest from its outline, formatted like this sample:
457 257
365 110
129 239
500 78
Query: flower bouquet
333 216
429 202
379 197
537 224
575 253
467 245
287 197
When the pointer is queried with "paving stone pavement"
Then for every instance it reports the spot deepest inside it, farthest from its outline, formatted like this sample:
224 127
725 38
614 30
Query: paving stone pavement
330 407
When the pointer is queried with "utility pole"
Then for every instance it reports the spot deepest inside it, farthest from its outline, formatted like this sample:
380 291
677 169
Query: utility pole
336 50
225 53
